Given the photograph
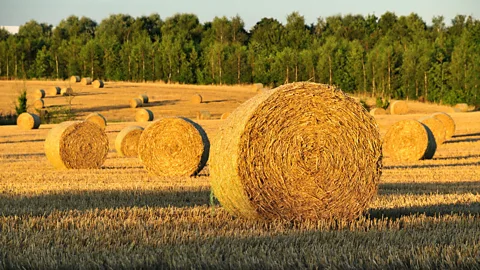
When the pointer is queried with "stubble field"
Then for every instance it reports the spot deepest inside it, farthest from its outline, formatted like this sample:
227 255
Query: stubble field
426 214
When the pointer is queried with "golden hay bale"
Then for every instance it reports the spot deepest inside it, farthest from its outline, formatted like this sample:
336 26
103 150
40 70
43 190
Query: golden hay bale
461 107
174 147
126 142
135 103
54 90
196 99
39 93
436 126
28 121
204 115
39 104
75 79
67 91
143 115
257 87
299 151
399 107
143 98
378 111
448 123
86 81
76 145
409 140
225 115
98 84
98 119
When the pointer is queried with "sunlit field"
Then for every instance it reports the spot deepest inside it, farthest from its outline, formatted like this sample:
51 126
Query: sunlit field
426 214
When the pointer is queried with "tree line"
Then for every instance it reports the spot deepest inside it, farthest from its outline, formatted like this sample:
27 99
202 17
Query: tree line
389 56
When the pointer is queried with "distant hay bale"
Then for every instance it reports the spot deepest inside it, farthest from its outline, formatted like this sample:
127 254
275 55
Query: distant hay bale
302 151
98 119
378 111
67 91
437 127
174 147
409 140
126 142
75 79
461 107
28 121
204 115
196 99
399 107
86 81
54 90
39 104
143 115
39 93
448 123
257 87
135 103
143 98
98 84
225 115
76 145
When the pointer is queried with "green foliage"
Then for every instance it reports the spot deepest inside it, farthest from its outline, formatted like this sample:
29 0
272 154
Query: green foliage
382 103
21 104
364 104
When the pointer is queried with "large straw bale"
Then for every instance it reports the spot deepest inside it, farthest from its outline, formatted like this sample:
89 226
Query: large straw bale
144 115
448 122
378 111
437 127
302 151
54 90
461 107
135 103
98 84
204 115
39 93
409 140
98 119
174 147
127 140
196 99
76 145
86 81
398 107
75 79
143 98
39 104
225 115
67 91
28 121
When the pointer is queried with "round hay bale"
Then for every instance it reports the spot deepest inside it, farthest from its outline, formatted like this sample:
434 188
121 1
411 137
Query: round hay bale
75 79
135 103
257 87
98 119
302 151
174 147
39 93
439 130
409 140
461 107
98 84
67 91
54 90
204 115
399 107
39 104
28 121
143 98
448 123
378 111
86 81
126 142
196 99
225 115
76 145
143 115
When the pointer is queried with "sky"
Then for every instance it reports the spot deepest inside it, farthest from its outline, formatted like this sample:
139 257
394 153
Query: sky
18 12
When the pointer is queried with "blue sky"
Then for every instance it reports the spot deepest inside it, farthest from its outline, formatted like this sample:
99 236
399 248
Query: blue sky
17 12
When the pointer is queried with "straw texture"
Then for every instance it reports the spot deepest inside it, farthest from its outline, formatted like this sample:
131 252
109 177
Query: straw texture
144 115
86 81
76 145
196 99
75 79
39 104
437 127
174 147
378 111
399 107
54 90
126 142
28 121
225 115
98 84
204 115
302 151
409 140
448 123
143 98
98 119
135 103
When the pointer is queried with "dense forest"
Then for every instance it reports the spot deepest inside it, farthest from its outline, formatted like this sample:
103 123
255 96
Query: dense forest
388 56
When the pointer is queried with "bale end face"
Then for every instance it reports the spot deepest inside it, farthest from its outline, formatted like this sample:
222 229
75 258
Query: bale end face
98 84
143 98
86 81
398 107
28 121
196 99
437 128
448 122
378 111
135 103
39 104
98 119
75 79
127 140
144 115
54 90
